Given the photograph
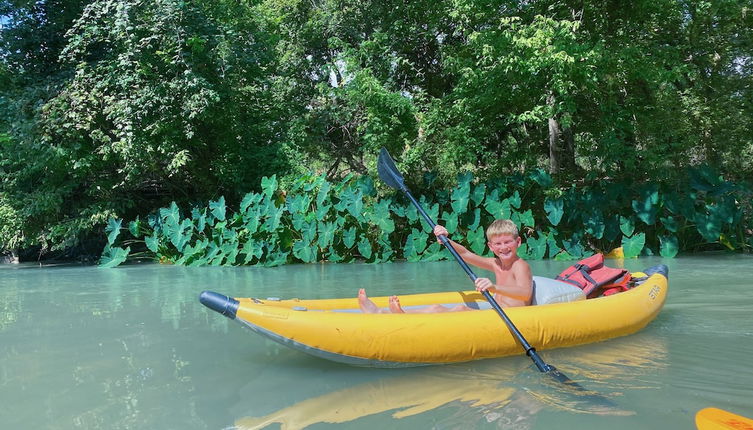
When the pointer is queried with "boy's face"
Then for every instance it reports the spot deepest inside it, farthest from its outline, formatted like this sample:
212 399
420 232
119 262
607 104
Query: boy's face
504 246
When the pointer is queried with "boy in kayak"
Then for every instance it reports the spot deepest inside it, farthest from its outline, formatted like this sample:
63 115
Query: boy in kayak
513 284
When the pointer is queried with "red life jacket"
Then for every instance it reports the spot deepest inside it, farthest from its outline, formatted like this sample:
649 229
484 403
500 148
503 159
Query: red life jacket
595 279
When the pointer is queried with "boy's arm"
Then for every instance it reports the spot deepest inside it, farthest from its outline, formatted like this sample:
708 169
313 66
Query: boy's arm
467 255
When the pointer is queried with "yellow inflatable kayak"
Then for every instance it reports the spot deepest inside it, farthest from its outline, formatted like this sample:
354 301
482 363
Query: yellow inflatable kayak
719 419
337 330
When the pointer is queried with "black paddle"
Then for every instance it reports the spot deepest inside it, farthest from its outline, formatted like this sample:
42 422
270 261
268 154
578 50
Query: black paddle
390 175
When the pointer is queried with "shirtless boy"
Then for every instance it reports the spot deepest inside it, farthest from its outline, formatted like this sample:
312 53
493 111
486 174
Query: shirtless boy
513 284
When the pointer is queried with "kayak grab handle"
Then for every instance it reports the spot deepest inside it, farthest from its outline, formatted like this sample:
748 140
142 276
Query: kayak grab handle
219 303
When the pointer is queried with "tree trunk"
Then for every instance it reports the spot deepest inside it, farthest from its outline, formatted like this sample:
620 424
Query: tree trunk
554 137
561 144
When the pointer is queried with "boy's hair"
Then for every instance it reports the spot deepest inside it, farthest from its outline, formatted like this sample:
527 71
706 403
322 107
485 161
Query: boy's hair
501 226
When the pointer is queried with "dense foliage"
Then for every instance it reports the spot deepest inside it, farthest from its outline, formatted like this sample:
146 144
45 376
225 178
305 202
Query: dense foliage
316 220
116 108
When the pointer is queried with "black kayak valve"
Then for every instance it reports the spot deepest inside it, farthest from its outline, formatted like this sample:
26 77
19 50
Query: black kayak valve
219 303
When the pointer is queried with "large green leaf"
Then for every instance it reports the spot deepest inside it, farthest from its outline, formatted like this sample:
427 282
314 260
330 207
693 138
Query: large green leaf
269 185
250 200
704 178
632 246
298 204
708 226
334 257
322 211
230 250
380 216
351 200
461 195
670 223
554 209
218 208
593 221
433 212
541 177
415 244
535 247
323 194
251 221
574 246
627 225
326 234
680 204
723 211
498 209
135 226
152 242
646 207
180 236
113 230
202 261
304 251
477 240
308 231
385 248
364 247
564 256
435 252
273 220
478 194
252 249
669 246
476 219
515 200
276 258
191 251
170 214
450 221
366 185
113 256
551 243
349 237
524 219
200 217
412 214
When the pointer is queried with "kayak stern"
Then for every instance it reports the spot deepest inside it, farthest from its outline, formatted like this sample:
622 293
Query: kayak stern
219 303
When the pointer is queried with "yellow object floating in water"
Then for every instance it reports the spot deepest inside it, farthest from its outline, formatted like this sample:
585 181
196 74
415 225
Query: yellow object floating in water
719 419
616 253
335 329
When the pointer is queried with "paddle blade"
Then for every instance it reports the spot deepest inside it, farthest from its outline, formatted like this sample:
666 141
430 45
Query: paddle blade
388 171
719 419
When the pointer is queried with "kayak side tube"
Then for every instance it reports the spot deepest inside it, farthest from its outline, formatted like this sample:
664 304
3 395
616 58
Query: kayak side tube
228 307
335 329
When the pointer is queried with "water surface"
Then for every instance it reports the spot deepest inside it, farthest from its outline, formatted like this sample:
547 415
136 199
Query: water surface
131 348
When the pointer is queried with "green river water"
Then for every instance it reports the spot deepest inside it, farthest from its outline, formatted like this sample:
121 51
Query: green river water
132 348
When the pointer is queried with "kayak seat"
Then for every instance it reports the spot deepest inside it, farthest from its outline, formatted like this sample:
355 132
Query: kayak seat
548 290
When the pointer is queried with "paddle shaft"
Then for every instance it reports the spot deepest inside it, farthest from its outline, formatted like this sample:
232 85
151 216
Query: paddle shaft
530 351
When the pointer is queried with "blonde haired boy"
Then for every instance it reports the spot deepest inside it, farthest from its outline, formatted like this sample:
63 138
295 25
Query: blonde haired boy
513 285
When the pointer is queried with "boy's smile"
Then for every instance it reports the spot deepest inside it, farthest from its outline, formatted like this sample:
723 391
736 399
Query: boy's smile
504 246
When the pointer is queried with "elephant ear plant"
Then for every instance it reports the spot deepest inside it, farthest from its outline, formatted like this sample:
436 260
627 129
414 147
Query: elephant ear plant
314 220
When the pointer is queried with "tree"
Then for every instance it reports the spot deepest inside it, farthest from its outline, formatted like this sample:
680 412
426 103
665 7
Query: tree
152 101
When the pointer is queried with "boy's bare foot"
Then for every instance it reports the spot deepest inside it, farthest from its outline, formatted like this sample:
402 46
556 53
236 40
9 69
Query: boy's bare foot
366 305
395 307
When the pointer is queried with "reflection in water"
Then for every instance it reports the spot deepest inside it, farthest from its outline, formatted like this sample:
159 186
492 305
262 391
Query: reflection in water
495 392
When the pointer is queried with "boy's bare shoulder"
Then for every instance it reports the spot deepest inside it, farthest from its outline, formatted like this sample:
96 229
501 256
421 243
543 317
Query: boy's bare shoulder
520 265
